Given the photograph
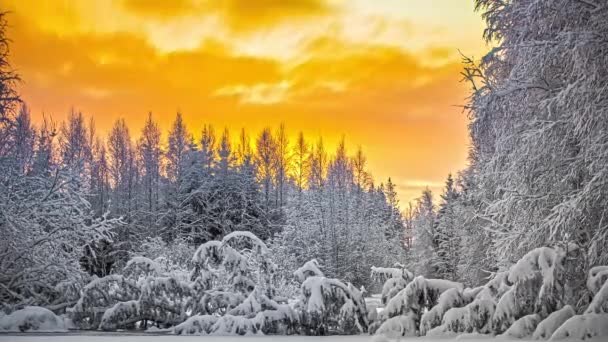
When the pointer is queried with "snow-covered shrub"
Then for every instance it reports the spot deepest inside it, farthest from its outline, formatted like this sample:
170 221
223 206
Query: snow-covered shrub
395 327
269 316
582 327
239 262
597 282
523 327
475 316
217 302
456 320
235 325
537 283
328 306
165 299
140 266
391 287
213 325
480 315
598 276
256 314
100 295
309 269
121 315
508 310
382 274
174 258
394 280
547 327
160 299
419 295
451 298
232 278
32 318
196 325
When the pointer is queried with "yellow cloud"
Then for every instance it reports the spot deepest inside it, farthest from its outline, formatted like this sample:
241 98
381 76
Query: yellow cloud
161 8
262 93
238 14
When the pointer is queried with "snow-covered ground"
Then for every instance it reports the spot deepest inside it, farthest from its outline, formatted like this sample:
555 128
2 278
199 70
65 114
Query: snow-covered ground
104 337
95 336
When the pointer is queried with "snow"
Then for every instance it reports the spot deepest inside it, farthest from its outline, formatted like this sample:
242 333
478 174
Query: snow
163 337
523 327
120 313
447 300
547 327
384 273
309 269
32 318
599 304
96 337
391 287
404 325
597 277
583 327
143 265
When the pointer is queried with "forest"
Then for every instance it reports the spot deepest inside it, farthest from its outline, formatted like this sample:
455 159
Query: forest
235 234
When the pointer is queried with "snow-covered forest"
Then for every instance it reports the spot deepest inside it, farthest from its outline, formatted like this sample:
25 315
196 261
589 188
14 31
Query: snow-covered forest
263 234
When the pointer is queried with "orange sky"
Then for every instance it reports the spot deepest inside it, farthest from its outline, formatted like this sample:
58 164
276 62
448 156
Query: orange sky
383 73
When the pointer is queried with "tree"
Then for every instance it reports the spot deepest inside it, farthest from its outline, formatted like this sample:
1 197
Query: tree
150 153
176 211
318 166
179 142
266 150
360 174
424 242
208 149
43 149
121 172
24 134
74 146
301 162
446 233
538 131
9 98
100 178
281 161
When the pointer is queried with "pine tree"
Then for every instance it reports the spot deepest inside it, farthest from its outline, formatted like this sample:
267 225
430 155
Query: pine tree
424 242
176 209
446 233
150 154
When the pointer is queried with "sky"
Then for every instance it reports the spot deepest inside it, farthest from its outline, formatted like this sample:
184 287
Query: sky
383 74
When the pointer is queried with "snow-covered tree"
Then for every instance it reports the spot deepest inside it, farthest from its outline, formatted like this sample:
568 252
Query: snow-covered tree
150 153
328 306
538 130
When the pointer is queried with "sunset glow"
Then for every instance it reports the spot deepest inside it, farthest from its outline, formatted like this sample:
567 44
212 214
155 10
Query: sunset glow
384 74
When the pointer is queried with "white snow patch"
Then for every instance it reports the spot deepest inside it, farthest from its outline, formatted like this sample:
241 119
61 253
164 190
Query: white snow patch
32 318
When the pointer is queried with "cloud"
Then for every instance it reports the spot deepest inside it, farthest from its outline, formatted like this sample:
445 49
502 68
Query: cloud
162 8
263 93
239 15
390 100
